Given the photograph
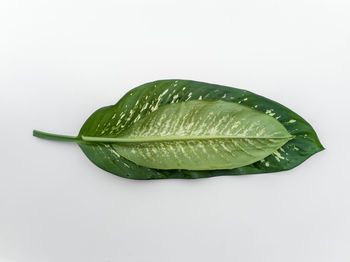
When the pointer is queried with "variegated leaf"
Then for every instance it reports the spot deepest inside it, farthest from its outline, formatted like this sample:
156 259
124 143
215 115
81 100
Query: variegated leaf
199 135
122 119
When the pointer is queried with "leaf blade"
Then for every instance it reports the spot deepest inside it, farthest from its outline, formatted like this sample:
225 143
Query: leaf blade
143 99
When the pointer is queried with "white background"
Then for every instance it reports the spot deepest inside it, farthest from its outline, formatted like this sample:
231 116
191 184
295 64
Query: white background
61 60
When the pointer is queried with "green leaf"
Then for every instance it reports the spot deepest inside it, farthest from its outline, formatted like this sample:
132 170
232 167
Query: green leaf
127 120
199 135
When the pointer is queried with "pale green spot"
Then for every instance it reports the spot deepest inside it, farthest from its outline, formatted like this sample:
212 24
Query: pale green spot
277 156
269 112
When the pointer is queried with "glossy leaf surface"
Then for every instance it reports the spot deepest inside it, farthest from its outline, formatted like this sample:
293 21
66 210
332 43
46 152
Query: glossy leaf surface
112 121
199 135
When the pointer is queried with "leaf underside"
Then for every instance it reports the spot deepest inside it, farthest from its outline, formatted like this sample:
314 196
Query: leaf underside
200 135
128 120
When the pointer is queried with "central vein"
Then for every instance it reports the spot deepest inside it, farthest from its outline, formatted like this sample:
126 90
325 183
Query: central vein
170 138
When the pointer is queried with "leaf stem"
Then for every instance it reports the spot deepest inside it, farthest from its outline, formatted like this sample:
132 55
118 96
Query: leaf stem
55 137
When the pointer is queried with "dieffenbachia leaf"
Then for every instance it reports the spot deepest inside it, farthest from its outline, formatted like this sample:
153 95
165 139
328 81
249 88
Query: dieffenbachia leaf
189 129
199 135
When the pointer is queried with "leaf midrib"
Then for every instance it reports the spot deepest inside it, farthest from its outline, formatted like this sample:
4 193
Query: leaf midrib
171 138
